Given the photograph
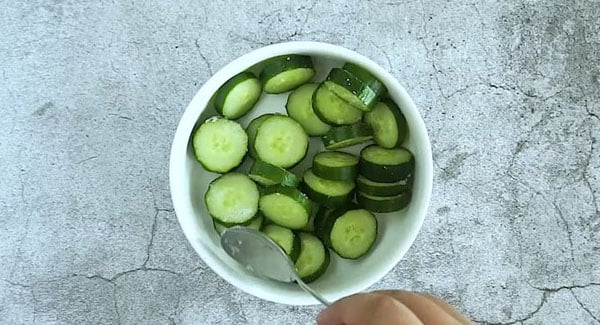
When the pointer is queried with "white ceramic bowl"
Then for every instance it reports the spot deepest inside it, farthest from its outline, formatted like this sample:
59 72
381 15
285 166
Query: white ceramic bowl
189 181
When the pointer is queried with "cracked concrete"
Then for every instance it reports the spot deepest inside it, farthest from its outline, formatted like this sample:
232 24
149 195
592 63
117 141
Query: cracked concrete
91 95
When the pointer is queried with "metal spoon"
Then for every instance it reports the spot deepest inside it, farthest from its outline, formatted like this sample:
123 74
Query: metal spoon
261 255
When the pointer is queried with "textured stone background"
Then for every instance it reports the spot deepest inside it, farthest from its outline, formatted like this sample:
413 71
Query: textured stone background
91 93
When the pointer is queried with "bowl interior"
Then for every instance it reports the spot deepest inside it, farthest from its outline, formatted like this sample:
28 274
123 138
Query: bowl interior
189 182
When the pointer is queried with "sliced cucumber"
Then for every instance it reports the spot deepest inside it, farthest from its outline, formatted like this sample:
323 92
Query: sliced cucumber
285 238
238 95
255 223
354 233
335 165
299 106
332 109
324 221
310 226
326 192
346 136
286 72
313 259
266 174
366 77
281 141
349 231
285 206
388 123
369 187
358 92
383 204
385 165
251 131
220 144
232 199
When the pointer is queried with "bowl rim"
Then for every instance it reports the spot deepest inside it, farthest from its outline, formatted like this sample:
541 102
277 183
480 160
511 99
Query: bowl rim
198 104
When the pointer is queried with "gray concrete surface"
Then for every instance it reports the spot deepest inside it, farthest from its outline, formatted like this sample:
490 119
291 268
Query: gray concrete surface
91 93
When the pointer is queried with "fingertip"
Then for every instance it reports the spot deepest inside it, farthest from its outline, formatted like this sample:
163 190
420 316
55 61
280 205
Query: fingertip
324 317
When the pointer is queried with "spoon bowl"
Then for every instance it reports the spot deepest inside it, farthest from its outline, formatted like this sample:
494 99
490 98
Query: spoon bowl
260 255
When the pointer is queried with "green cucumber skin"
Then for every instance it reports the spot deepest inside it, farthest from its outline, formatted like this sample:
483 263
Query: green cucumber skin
364 75
291 192
224 90
283 63
296 248
295 251
318 273
367 92
324 220
276 65
365 95
259 219
326 200
310 226
400 123
393 204
314 276
385 189
335 174
251 130
288 178
385 173
339 134
319 127
347 106
327 218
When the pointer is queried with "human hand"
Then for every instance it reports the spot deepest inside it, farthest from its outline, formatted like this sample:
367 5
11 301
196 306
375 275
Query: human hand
390 307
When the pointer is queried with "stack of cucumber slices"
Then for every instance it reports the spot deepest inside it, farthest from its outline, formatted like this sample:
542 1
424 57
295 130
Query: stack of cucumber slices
332 205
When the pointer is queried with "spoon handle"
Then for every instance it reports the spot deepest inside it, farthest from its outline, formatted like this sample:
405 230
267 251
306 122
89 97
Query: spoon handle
308 289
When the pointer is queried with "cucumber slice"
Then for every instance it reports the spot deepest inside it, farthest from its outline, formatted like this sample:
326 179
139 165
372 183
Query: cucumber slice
332 109
358 92
285 206
313 259
286 72
354 233
385 165
238 95
310 226
280 141
324 219
299 106
266 174
349 231
285 238
383 204
388 123
232 199
220 144
251 131
369 187
335 165
326 192
347 135
366 77
255 223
